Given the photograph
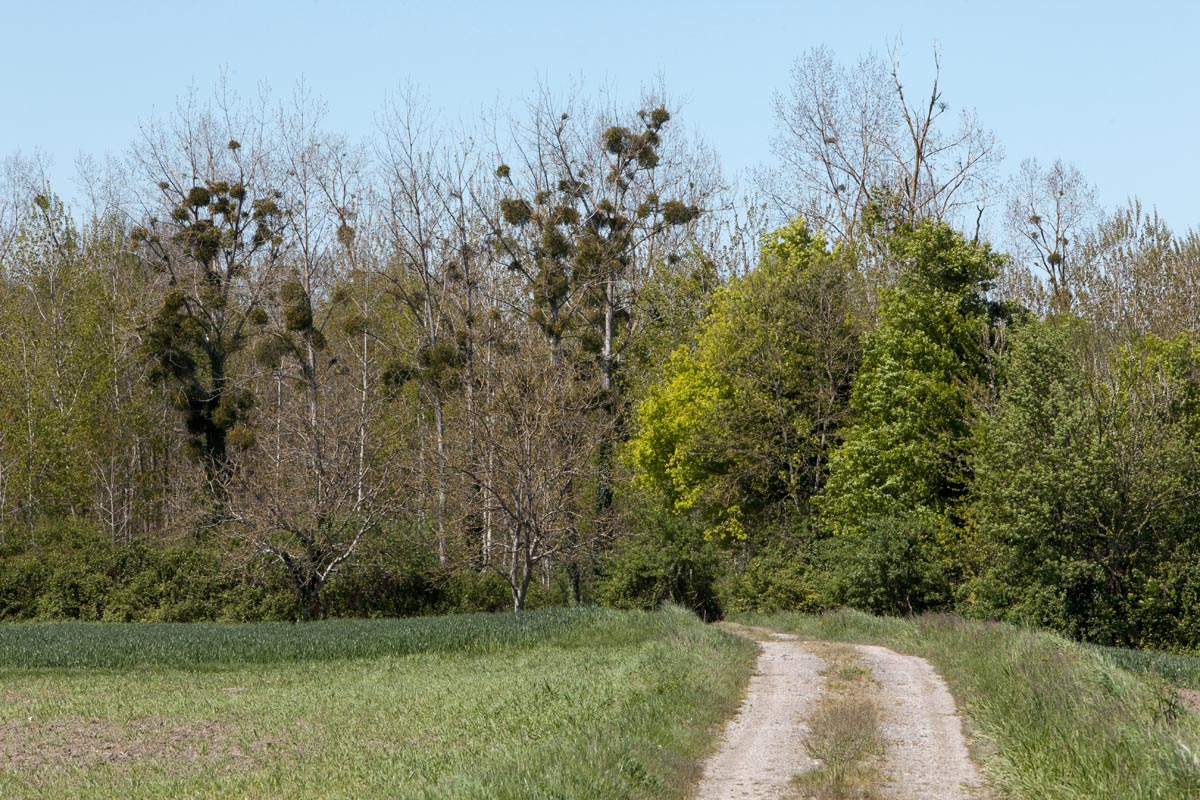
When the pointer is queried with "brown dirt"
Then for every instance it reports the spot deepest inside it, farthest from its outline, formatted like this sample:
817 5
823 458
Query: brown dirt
1190 698
33 746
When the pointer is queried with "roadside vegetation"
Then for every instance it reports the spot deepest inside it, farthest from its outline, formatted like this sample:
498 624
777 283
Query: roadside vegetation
1047 719
843 731
580 704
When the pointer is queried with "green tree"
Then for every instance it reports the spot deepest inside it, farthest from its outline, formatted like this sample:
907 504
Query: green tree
898 483
1088 486
216 246
742 424
57 366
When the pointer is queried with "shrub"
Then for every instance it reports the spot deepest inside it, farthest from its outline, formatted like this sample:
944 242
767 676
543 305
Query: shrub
668 560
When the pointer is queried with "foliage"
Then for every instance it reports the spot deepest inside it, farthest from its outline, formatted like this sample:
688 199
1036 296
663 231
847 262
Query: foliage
275 374
74 573
898 483
1088 486
674 304
742 423
781 569
65 421
667 559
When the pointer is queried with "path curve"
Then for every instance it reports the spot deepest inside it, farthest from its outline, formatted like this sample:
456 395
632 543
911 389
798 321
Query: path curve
926 756
763 747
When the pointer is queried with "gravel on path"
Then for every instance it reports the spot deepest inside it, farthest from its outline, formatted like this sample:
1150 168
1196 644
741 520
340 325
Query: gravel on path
763 747
926 754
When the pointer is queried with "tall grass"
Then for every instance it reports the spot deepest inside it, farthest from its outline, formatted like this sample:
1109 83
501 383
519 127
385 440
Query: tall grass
558 704
1049 719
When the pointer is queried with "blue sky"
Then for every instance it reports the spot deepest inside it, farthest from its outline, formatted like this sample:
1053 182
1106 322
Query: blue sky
1111 87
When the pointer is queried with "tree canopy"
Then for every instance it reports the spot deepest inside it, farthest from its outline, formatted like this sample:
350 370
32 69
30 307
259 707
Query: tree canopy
277 373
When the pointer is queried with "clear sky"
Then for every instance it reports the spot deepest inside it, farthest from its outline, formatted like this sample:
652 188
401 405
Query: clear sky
1111 87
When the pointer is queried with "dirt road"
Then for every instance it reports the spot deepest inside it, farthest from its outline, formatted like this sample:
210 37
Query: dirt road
763 746
762 749
926 754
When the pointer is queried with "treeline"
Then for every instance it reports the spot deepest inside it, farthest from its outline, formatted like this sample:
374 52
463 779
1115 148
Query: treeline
271 373
268 359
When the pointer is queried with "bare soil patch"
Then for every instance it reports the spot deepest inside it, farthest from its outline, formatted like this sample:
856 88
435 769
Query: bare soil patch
75 743
1190 698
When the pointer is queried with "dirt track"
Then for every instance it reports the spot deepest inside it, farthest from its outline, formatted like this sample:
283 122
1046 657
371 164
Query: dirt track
926 754
763 747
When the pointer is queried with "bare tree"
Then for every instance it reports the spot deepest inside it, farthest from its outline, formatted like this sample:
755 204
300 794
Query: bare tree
847 137
1132 274
1049 213
310 488
311 517
590 207
429 272
539 426
21 180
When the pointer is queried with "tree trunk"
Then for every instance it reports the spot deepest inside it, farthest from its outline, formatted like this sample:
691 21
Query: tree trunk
521 588
216 460
440 508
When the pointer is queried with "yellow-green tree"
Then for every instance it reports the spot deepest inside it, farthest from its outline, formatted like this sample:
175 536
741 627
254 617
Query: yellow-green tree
742 424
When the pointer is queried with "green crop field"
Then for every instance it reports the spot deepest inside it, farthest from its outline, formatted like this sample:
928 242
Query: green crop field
563 704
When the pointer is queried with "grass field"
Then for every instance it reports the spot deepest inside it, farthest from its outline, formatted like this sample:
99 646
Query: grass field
555 704
1049 719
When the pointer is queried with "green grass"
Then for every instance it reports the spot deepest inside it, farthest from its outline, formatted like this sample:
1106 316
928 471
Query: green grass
1048 719
844 734
1178 670
85 644
556 704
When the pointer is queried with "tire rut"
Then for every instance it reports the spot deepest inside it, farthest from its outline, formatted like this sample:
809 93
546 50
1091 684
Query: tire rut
763 747
926 756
